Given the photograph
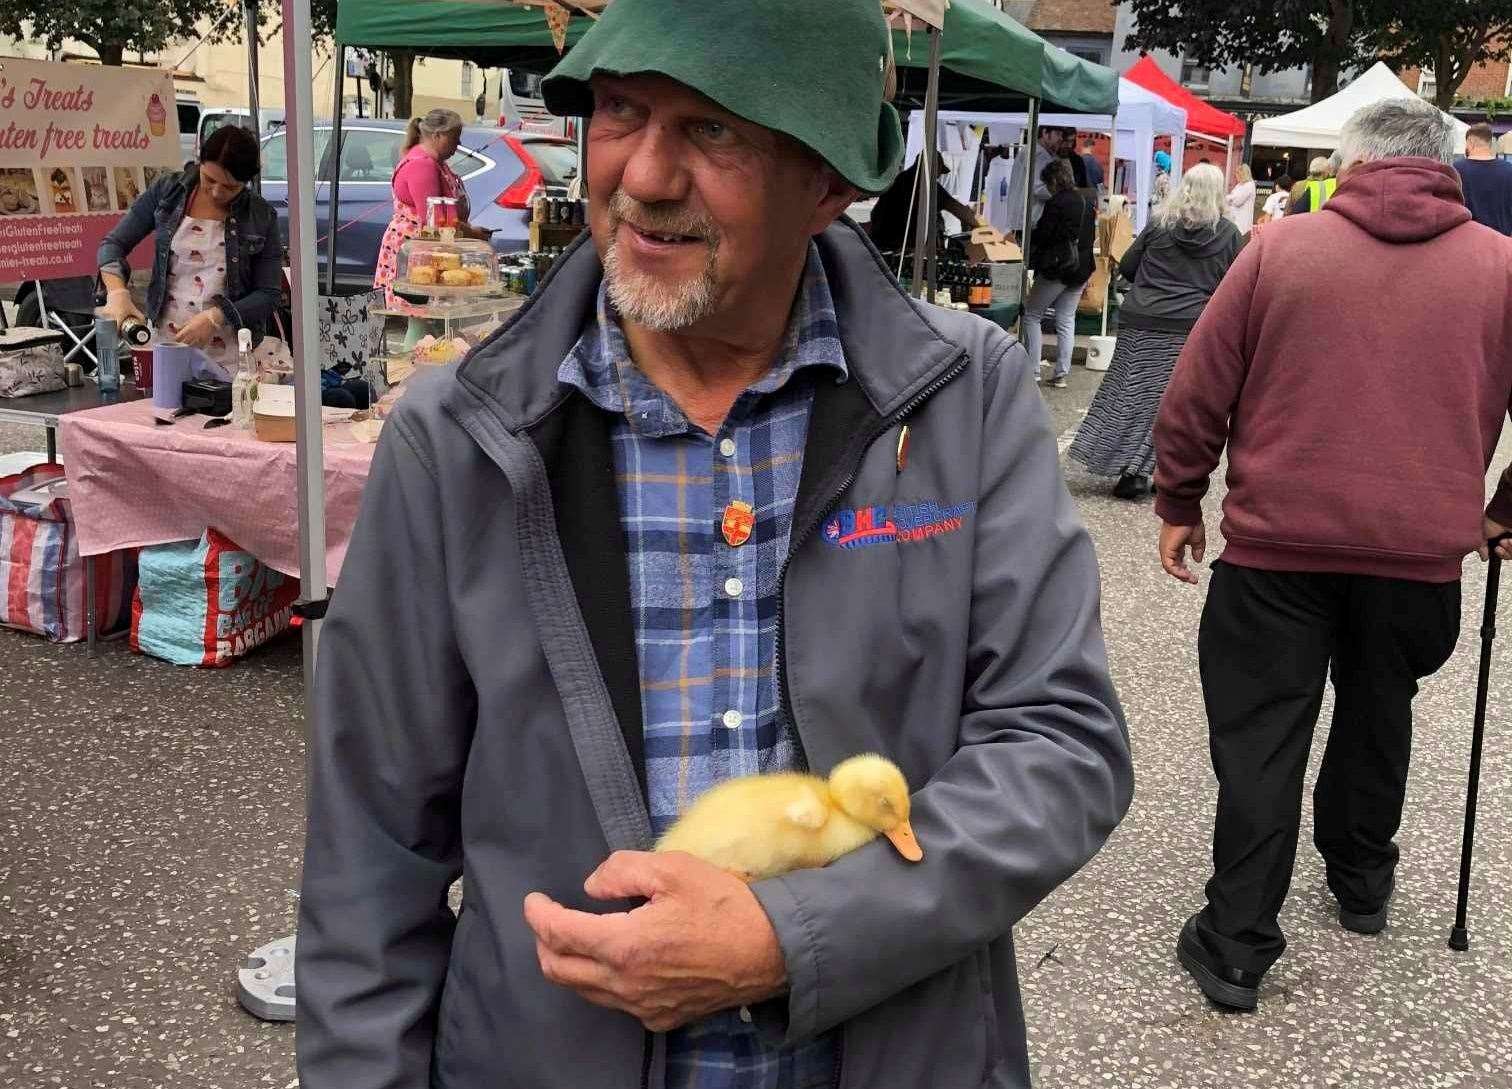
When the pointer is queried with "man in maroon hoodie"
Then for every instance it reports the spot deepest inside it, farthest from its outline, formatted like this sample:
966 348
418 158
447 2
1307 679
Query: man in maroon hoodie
1356 364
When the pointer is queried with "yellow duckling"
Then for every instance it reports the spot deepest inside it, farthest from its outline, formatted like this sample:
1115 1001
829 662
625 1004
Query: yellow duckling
761 826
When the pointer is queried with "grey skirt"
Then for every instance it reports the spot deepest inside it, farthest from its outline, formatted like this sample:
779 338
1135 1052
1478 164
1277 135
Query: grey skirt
1117 437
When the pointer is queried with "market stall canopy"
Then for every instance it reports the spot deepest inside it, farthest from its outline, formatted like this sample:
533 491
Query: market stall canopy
1142 116
929 11
490 33
1202 117
505 33
1317 126
989 61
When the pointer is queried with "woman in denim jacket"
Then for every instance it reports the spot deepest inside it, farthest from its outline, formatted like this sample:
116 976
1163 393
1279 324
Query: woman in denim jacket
217 259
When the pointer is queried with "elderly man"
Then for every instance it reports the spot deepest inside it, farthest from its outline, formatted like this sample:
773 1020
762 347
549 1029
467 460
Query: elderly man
1355 491
1046 151
721 500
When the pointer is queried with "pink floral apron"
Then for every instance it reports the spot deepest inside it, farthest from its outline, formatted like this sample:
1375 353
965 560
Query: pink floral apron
405 224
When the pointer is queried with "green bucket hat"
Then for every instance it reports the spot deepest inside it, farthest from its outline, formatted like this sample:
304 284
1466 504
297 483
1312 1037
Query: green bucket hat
811 70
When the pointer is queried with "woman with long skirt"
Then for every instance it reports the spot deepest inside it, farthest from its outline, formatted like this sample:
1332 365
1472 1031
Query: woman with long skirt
1175 265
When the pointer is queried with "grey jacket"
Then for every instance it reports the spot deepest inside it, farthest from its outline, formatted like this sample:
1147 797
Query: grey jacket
479 712
254 254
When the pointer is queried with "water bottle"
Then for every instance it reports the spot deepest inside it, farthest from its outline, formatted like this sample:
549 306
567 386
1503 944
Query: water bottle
107 343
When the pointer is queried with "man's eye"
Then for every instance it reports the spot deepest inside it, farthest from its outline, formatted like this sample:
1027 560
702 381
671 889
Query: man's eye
616 106
714 131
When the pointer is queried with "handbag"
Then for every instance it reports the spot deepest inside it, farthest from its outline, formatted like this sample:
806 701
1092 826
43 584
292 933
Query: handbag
1062 261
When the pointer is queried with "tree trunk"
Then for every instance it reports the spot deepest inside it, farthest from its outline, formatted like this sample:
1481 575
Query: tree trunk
110 52
404 81
1332 48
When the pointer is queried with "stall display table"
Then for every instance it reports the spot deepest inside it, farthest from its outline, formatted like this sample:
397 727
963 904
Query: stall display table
134 483
1003 315
46 409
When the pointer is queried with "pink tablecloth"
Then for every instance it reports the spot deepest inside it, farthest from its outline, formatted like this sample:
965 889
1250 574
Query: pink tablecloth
133 483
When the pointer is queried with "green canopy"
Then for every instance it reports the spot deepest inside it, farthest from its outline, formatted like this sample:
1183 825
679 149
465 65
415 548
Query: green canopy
991 62
488 33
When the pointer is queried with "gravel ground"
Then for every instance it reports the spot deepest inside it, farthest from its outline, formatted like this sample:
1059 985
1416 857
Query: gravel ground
150 822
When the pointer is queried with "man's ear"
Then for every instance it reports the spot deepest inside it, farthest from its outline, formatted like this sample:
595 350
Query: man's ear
837 195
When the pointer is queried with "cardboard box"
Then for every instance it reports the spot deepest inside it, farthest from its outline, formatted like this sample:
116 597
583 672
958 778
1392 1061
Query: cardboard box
988 244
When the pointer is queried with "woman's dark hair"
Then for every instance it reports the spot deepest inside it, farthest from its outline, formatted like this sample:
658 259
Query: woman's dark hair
234 148
1057 176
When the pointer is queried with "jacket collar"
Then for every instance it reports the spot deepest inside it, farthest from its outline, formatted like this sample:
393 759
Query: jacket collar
892 349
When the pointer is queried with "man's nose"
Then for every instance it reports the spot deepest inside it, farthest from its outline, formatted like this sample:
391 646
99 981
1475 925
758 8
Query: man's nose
656 172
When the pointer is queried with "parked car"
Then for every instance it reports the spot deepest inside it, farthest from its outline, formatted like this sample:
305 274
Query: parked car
499 169
188 110
269 119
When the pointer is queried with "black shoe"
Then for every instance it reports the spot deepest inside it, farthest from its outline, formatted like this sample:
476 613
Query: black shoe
1371 922
1130 486
1231 987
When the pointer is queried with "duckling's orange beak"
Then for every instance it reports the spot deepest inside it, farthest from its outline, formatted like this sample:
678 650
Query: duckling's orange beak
901 836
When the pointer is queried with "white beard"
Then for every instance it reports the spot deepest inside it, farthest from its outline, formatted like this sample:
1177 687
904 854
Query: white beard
658 306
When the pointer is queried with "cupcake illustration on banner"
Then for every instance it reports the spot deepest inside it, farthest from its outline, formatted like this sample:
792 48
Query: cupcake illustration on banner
157 117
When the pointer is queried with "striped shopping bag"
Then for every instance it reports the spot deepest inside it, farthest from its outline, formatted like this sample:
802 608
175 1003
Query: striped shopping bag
41 573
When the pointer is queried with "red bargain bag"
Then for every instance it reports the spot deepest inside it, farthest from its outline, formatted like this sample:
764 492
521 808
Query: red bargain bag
207 602
41 572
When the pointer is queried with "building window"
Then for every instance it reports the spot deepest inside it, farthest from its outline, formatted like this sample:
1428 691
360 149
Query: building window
1195 74
1087 53
467 73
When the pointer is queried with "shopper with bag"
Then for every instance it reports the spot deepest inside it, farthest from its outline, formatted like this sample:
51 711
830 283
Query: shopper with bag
1060 252
1355 491
1175 265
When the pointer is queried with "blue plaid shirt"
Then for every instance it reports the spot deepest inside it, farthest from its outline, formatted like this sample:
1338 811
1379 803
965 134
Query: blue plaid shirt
706 612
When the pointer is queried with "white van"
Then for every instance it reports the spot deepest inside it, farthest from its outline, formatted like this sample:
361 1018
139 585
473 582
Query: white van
270 118
522 109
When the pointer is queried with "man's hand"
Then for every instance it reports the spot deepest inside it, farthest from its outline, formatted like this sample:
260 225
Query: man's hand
702 943
1174 542
1490 531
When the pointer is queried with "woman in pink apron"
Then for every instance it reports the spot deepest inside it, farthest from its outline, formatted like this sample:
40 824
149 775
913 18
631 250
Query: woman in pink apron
423 173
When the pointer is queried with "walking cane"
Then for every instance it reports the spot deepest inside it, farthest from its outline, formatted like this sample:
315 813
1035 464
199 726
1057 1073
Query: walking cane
1459 937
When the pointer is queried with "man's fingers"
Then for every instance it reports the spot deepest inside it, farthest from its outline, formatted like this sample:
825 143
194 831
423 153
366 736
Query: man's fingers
628 875
571 970
573 932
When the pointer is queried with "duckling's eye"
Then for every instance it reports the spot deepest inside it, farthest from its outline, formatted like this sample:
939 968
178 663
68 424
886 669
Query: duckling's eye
887 804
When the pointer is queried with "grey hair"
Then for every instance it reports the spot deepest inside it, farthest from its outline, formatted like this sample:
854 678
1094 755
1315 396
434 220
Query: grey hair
1335 162
1197 201
1317 168
1396 128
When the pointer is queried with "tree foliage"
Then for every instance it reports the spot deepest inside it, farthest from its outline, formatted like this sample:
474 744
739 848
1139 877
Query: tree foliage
1274 37
113 27
1449 37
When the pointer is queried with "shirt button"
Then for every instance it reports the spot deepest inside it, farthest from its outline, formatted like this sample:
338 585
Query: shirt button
745 1014
733 587
732 719
727 447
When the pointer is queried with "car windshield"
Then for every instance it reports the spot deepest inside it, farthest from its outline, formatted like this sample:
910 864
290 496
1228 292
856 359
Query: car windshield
558 162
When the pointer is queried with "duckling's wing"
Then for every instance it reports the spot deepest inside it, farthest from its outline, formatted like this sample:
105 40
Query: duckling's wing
807 811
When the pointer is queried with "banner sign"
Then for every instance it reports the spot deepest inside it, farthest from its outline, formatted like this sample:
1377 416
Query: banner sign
78 144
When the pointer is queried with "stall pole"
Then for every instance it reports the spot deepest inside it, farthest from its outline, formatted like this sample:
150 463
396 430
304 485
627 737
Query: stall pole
931 143
266 977
924 239
1031 141
1107 258
254 120
1228 162
334 205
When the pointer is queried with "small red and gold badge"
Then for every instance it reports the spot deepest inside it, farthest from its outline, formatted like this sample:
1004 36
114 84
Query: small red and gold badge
739 519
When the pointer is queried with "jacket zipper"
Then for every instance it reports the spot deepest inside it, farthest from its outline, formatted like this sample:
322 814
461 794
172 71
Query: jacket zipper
784 700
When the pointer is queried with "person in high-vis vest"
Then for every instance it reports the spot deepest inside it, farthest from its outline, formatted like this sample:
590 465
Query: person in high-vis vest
1314 192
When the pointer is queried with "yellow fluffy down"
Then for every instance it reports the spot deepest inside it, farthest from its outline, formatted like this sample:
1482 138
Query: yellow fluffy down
762 826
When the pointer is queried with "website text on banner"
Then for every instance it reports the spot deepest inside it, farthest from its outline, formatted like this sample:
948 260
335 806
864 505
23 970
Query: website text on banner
78 144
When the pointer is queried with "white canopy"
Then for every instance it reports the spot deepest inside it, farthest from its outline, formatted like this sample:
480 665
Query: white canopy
1142 116
1317 126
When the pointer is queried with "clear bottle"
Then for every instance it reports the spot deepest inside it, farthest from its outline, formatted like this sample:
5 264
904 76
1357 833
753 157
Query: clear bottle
244 385
107 355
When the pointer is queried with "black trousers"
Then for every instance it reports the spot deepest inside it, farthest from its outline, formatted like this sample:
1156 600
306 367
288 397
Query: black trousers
1267 641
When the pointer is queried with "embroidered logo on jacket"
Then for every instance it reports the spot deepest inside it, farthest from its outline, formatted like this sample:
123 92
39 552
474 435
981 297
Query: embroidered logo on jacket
900 523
